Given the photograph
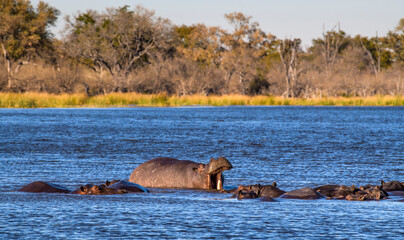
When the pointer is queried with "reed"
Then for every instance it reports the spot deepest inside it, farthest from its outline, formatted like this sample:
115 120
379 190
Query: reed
44 100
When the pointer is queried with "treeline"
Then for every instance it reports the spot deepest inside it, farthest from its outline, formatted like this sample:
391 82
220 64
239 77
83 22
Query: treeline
132 50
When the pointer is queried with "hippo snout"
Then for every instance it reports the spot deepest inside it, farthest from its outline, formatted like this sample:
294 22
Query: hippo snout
218 165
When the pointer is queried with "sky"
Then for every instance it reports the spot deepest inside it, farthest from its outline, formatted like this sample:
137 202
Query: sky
303 19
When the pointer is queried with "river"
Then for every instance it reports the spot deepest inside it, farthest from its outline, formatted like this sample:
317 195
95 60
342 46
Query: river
293 146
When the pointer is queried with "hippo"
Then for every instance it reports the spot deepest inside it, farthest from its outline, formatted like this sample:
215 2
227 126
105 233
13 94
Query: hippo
303 193
267 199
336 191
109 183
392 186
174 173
101 190
270 191
366 194
246 195
127 186
113 187
43 187
327 190
83 190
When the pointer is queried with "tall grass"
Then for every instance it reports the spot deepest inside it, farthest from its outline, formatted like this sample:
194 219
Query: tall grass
44 100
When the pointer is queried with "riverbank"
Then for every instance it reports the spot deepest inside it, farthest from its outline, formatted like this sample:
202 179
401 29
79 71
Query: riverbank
44 100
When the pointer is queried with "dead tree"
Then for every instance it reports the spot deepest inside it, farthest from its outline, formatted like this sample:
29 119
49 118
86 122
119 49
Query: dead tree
332 43
288 51
375 61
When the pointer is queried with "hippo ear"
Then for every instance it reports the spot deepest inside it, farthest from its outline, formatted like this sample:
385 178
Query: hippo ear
352 188
107 183
274 184
83 189
200 168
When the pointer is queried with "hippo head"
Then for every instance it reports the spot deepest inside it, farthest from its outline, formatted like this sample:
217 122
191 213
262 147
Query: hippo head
246 195
83 190
218 165
102 190
214 170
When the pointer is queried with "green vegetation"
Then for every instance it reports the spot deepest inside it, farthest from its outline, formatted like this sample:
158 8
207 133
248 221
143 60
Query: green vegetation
130 50
45 100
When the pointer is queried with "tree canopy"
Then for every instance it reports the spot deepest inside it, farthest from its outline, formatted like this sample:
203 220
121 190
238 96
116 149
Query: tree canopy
118 40
131 49
24 33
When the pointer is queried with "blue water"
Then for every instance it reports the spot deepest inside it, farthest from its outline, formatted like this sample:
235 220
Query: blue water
294 146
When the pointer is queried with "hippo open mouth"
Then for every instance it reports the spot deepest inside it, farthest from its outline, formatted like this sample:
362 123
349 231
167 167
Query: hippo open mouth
215 169
215 180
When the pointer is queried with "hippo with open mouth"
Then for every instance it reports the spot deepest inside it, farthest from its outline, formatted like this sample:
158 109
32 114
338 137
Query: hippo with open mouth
174 173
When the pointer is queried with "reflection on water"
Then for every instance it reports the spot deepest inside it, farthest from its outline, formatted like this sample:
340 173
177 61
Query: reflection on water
294 146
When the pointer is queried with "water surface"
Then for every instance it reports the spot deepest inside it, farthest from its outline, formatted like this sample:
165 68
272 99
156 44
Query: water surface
294 146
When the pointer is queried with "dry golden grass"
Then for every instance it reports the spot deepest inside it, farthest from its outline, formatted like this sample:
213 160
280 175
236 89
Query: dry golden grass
44 100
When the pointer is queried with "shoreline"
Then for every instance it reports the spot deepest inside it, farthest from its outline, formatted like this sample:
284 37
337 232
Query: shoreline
128 100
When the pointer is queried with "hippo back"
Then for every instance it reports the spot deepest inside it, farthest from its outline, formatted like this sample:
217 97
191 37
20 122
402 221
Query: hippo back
169 173
128 186
43 187
303 193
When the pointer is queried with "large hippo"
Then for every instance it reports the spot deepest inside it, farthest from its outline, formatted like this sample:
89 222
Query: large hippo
43 187
174 173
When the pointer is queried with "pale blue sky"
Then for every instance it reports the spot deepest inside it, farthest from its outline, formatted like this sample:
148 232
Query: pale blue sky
287 18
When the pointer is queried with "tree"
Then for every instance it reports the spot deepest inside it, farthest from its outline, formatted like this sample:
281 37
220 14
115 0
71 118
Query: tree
202 46
24 33
118 40
288 51
400 26
376 51
329 47
245 46
394 42
200 43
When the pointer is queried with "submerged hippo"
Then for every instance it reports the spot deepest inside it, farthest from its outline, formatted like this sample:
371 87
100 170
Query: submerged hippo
174 173
369 193
82 190
246 195
104 190
268 191
392 186
271 191
113 187
303 193
336 191
43 187
127 186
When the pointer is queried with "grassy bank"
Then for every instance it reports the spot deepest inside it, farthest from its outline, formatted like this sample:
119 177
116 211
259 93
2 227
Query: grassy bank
43 100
